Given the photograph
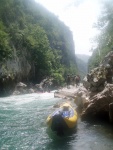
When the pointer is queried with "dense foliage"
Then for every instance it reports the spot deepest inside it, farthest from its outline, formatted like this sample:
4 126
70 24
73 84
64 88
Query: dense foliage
105 39
27 27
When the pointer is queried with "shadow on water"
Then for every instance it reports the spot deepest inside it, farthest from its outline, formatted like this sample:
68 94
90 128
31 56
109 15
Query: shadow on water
101 127
63 141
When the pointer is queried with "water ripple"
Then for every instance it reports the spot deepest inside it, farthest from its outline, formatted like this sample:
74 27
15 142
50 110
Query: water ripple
23 127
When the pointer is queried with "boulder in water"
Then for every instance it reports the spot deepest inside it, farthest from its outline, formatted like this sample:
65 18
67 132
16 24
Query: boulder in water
20 84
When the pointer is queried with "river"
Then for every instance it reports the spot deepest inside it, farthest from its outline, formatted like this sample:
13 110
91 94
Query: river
23 127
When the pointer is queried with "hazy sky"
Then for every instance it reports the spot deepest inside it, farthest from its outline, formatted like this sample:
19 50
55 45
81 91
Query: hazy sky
79 15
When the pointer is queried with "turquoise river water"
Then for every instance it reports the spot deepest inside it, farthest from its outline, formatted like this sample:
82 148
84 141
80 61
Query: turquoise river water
23 127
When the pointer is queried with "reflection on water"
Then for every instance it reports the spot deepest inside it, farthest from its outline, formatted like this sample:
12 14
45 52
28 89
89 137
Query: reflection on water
23 127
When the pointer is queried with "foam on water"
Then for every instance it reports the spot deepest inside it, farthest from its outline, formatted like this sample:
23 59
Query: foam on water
27 98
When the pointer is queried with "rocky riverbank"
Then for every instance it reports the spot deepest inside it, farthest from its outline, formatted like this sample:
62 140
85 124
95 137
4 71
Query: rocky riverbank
45 85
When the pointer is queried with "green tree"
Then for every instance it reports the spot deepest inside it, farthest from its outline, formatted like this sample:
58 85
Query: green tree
29 31
5 50
105 39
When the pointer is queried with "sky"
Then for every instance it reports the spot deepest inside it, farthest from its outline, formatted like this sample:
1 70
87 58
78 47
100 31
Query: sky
79 15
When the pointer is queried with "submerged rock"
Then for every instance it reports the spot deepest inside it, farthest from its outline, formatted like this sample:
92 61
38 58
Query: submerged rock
20 84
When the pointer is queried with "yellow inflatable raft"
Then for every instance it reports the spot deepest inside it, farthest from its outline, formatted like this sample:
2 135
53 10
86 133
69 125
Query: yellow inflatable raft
63 118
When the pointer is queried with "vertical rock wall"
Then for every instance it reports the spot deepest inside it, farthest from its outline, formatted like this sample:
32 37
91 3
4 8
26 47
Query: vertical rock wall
12 71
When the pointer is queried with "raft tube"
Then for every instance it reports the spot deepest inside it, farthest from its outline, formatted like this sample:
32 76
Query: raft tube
63 118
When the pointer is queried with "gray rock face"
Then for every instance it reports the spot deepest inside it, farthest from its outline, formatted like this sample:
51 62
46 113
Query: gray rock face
86 84
13 71
45 85
100 87
17 66
99 104
96 78
108 59
20 84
